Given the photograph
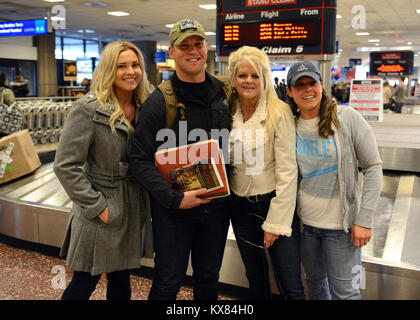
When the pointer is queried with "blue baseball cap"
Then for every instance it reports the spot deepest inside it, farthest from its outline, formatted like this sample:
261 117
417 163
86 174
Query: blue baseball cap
301 69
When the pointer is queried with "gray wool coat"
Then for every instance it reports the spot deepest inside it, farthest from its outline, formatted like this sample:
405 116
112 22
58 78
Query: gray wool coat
91 163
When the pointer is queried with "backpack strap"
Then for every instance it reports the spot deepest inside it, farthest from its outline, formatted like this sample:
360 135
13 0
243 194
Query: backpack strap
228 93
171 103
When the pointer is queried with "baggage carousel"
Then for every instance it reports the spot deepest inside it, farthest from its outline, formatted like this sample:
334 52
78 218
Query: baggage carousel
35 208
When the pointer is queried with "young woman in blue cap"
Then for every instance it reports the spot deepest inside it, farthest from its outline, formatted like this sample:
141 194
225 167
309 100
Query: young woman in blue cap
331 142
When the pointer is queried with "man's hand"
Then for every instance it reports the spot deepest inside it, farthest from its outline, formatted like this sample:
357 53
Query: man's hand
191 199
360 235
103 216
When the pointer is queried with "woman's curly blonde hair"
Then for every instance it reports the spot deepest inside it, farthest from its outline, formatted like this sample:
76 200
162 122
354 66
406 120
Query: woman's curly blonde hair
260 62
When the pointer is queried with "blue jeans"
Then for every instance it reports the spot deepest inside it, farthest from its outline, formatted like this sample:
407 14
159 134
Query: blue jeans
330 262
247 218
175 236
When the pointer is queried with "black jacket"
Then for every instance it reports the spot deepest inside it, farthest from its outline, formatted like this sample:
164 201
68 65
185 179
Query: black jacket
210 113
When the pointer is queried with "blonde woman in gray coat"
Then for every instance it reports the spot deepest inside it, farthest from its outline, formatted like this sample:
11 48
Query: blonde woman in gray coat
109 207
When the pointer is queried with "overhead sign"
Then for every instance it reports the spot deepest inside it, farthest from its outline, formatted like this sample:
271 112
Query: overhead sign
23 28
278 27
391 63
355 62
366 97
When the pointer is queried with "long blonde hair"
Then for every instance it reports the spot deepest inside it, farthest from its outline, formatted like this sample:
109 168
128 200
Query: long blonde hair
260 62
104 77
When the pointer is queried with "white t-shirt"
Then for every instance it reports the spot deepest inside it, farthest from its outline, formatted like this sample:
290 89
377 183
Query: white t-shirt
319 201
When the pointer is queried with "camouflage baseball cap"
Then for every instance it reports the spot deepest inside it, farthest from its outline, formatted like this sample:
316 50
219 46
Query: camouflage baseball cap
185 28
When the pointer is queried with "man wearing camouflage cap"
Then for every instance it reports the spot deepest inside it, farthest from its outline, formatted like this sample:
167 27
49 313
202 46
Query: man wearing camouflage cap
182 222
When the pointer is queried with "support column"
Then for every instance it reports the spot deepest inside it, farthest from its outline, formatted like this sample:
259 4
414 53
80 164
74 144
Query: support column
211 56
148 48
325 68
46 66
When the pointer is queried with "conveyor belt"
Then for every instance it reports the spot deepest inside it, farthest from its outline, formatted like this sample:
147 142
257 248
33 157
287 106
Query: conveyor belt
35 208
398 139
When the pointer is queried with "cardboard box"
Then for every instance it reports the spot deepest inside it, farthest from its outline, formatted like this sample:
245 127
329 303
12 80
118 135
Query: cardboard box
17 156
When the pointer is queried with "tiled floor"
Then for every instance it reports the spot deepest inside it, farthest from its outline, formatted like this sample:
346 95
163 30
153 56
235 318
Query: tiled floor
28 275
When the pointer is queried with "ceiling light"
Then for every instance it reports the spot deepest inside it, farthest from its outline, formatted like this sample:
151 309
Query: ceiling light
362 33
374 40
418 11
169 26
95 4
208 6
118 13
54 0
210 33
85 31
338 16
409 42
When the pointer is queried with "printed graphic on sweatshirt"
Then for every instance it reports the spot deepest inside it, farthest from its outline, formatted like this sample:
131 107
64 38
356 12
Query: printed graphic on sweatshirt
318 164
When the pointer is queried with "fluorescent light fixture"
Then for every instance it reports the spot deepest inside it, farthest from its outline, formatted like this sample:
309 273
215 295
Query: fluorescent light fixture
169 26
208 6
85 31
374 40
338 16
213 46
118 13
409 42
54 0
95 4
362 33
418 11
210 33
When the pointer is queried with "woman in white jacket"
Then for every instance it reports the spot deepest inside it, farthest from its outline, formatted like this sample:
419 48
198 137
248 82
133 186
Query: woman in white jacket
263 179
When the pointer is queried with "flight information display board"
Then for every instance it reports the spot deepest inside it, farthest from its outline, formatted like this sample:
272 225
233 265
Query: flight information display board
278 27
391 63
23 28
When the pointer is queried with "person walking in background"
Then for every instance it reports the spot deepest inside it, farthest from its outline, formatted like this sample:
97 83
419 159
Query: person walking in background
110 209
387 96
399 94
183 223
19 87
6 94
264 190
331 142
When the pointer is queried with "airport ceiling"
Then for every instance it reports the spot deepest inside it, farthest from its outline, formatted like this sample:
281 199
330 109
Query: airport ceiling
395 23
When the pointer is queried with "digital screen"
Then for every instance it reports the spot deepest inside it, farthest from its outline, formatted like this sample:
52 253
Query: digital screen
391 63
287 28
84 68
23 28
84 65
296 32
